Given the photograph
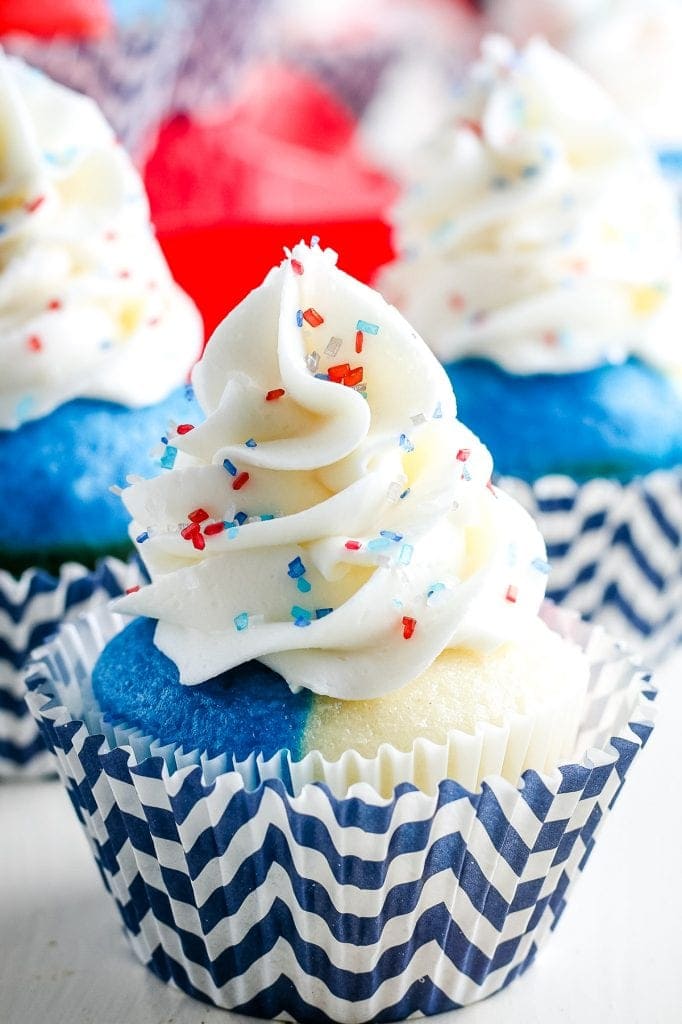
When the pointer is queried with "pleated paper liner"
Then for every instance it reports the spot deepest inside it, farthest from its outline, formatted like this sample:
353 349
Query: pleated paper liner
252 888
31 608
615 551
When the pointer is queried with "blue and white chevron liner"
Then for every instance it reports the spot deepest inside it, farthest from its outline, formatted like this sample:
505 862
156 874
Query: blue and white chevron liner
615 551
304 905
31 608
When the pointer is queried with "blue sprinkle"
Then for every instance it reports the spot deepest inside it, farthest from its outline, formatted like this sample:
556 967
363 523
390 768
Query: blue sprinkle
266 516
301 616
466 473
3 229
362 325
164 439
189 392
230 467
241 518
167 460
315 240
296 568
530 171
303 585
299 318
322 376
232 529
499 182
251 443
301 622
142 537
405 443
438 412
405 556
321 612
378 543
434 589
241 621
390 535
405 493
541 565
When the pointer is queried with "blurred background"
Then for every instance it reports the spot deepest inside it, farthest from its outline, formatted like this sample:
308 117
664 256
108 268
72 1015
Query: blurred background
257 122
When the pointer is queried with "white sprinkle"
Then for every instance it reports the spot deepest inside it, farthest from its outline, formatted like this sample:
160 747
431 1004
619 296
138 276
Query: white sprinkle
333 347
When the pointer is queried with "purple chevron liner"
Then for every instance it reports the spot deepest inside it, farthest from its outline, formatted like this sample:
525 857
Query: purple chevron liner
31 608
615 551
274 900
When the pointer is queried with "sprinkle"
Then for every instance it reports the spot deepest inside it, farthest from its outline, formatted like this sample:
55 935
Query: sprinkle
199 515
433 591
339 372
409 625
142 537
359 341
240 518
312 361
393 493
490 487
418 419
466 473
321 612
367 328
303 585
299 318
463 454
301 616
354 378
132 590
315 240
405 494
168 458
456 302
438 412
312 317
230 467
134 478
395 537
115 489
274 394
322 376
296 568
34 343
297 267
232 530
530 171
512 593
54 304
184 428
33 205
405 556
266 517
189 392
541 565
405 443
241 621
251 443
353 545
193 533
214 528
333 347
378 543
499 182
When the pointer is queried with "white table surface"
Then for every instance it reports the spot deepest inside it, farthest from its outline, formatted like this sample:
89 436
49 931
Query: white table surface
614 959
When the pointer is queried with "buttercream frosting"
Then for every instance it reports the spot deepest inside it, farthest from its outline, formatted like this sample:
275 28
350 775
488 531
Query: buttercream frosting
538 232
330 517
87 304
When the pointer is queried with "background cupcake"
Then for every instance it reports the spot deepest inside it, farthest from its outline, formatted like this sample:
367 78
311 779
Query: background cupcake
539 254
247 885
97 343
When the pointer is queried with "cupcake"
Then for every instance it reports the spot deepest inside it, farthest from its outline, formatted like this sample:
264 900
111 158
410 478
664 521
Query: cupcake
98 342
337 692
539 254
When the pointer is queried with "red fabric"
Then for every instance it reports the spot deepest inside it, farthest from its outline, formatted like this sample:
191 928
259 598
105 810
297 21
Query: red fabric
228 188
82 19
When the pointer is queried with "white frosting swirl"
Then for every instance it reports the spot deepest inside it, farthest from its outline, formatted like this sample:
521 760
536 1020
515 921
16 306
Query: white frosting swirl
383 496
539 233
87 305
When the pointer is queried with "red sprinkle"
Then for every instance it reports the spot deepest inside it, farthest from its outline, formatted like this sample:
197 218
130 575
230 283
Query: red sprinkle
456 302
312 317
354 377
239 481
110 236
353 545
359 340
275 393
512 593
550 337
409 625
33 205
339 372
34 343
132 590
213 528
200 515
490 487
297 267
193 533
184 428
124 273
463 454
473 126
54 304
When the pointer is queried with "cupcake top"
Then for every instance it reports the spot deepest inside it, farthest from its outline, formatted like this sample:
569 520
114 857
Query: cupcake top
331 517
538 232
87 304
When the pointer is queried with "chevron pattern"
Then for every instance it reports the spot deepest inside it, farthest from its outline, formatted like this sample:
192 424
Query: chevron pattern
324 909
30 610
616 552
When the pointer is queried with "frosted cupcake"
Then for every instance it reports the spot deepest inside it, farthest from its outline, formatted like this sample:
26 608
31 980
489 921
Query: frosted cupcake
340 663
539 254
97 345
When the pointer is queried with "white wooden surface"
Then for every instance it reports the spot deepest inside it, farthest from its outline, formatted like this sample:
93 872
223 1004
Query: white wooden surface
614 958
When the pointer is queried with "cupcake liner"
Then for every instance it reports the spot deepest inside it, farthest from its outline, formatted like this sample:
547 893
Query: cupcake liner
275 897
615 551
30 610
